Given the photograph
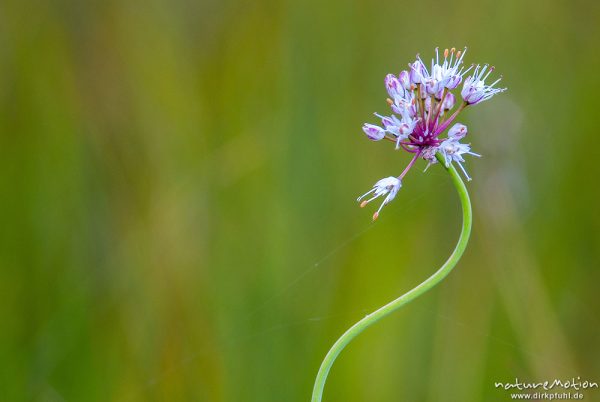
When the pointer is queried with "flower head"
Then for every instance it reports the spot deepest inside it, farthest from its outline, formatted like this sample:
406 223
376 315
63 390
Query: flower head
422 106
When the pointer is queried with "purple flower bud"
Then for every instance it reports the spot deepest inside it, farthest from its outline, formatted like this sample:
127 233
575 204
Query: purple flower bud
423 92
417 72
374 132
432 86
453 81
439 93
457 132
404 78
393 86
427 104
449 101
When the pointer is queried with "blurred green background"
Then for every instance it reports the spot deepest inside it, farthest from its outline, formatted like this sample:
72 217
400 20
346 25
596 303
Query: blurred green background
178 216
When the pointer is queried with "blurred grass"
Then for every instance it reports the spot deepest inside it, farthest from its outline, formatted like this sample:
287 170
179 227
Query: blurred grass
178 217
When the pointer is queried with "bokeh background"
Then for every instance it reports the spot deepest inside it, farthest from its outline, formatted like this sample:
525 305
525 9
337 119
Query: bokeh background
178 216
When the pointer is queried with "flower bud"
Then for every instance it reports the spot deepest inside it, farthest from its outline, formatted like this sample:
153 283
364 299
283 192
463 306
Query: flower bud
453 81
432 86
449 101
393 86
404 78
417 71
457 132
427 104
439 93
375 133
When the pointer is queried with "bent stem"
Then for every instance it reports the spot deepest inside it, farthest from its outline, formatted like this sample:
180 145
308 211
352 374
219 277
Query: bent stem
394 305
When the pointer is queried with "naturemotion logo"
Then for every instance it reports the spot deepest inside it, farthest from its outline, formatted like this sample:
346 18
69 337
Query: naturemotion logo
557 386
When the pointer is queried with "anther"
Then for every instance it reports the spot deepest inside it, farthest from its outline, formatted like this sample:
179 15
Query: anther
458 53
389 101
453 50
375 216
364 203
445 53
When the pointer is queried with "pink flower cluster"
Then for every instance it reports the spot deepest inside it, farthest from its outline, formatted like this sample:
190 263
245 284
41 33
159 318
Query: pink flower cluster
423 108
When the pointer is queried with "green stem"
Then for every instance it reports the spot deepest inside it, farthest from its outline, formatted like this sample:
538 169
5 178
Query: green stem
394 305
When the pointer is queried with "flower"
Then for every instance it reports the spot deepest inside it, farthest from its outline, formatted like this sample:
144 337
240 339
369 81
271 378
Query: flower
421 101
445 75
418 72
451 71
374 132
452 151
458 131
400 129
404 78
389 186
475 90
394 87
448 102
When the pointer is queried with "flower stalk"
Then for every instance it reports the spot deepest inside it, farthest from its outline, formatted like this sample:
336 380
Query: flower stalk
409 296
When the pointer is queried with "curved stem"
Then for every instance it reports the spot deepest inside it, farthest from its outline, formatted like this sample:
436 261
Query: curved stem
394 305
